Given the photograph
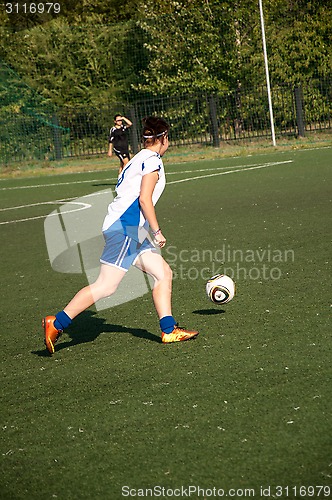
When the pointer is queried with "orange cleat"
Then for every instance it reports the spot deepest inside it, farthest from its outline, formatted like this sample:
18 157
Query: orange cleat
178 335
50 332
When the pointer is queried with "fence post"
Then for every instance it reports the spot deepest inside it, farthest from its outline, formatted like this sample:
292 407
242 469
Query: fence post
299 110
133 131
57 138
214 121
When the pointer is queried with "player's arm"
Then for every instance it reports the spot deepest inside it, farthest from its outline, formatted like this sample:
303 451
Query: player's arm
148 184
127 121
110 142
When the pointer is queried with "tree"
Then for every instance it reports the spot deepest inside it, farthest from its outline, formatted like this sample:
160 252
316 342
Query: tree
200 45
73 65
189 45
22 15
97 51
300 39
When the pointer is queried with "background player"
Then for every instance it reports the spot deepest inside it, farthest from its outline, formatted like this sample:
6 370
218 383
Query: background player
118 140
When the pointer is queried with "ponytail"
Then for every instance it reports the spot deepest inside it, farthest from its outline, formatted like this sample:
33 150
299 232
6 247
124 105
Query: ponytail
154 128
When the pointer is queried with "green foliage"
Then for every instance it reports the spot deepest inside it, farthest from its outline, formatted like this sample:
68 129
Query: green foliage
216 45
72 65
187 45
99 52
317 100
28 126
19 15
299 35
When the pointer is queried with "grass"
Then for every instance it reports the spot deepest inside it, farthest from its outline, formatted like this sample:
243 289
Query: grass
179 154
246 405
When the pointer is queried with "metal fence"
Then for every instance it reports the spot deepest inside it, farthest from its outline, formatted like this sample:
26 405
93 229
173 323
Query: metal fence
195 119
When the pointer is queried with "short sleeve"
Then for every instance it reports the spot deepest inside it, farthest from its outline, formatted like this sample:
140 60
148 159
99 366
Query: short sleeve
152 164
111 137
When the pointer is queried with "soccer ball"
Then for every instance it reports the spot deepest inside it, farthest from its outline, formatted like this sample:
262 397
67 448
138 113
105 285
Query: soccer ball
220 289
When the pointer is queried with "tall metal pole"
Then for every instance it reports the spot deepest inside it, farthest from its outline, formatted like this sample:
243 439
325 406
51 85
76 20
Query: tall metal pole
267 74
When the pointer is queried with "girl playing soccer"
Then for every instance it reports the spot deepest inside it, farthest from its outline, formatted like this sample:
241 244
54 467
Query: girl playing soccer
129 218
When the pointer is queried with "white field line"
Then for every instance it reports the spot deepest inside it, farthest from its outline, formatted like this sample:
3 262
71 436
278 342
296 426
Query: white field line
110 179
49 202
170 173
253 167
35 186
85 206
82 206
36 204
249 155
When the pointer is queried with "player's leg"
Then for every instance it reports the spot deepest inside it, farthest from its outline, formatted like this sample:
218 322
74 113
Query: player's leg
153 264
124 159
114 264
115 261
105 285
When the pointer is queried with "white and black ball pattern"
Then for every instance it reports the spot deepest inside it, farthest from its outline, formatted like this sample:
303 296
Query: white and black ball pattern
220 289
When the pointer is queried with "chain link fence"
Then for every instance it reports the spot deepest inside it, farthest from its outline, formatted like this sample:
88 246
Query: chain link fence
208 120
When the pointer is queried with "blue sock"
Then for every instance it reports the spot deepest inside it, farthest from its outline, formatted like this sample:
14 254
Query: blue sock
62 320
167 324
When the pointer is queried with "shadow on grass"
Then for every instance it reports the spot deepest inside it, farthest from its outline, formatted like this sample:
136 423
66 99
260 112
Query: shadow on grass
207 312
87 327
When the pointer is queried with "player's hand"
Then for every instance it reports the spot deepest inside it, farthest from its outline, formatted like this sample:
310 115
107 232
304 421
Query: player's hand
110 154
160 240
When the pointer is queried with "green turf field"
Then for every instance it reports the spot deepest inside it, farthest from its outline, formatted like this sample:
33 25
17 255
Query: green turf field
244 408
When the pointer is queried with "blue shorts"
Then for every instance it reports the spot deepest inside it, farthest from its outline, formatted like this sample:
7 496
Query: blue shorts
122 251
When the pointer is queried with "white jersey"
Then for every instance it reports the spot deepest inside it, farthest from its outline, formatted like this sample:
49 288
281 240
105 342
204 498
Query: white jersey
124 213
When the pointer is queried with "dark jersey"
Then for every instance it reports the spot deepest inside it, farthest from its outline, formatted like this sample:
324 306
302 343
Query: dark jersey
118 137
